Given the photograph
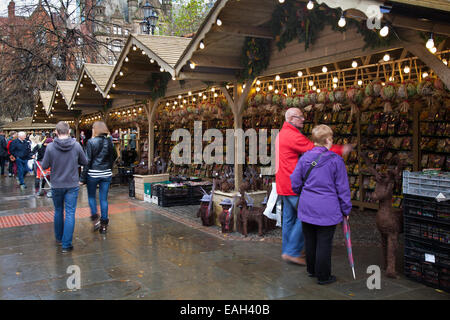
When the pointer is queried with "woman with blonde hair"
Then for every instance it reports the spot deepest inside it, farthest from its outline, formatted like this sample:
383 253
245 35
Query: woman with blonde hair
101 156
320 178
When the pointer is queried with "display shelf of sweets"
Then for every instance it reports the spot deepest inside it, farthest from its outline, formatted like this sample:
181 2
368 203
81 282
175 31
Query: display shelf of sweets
435 139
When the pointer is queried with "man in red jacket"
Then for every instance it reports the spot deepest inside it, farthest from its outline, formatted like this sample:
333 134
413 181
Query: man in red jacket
289 146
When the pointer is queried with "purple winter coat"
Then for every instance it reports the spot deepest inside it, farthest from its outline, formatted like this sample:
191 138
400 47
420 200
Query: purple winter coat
326 194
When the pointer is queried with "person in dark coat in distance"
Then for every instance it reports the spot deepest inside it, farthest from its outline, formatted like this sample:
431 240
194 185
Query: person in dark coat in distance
324 201
3 152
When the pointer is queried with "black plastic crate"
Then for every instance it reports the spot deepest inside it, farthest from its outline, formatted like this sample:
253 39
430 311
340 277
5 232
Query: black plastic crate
431 275
428 208
429 231
427 253
171 196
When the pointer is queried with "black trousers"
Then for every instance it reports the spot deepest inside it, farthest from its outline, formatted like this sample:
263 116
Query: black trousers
318 245
2 165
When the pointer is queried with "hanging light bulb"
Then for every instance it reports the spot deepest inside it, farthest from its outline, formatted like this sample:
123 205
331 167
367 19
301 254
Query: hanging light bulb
433 50
342 22
386 57
258 82
314 88
299 73
219 22
430 42
354 64
121 73
324 69
293 90
126 59
445 61
384 31
334 85
258 89
270 88
276 91
289 85
277 78
190 93
134 48
425 74
360 82
406 69
311 83
391 78
335 79
192 65
318 90
202 45
310 5
281 1
152 61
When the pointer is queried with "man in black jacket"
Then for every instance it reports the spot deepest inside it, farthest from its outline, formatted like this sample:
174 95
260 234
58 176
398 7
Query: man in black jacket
3 153
21 150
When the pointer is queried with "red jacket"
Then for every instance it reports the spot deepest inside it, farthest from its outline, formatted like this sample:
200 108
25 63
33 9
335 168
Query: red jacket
289 146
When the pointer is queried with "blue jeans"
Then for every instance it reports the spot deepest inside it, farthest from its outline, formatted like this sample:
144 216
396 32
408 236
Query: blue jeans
292 233
64 227
103 189
22 169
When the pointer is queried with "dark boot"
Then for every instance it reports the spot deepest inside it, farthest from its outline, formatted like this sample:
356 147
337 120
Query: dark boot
103 226
95 221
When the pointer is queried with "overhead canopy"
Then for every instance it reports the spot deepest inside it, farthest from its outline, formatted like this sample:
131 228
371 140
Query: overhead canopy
89 94
141 56
220 59
26 124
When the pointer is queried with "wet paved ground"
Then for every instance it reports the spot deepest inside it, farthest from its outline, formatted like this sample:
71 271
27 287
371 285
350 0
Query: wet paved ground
156 253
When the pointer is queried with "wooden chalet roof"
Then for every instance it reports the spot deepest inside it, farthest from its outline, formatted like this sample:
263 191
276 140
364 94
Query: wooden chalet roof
41 107
141 56
27 124
60 101
99 73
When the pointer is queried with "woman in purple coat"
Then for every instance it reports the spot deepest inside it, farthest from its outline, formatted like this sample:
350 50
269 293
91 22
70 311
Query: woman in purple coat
324 201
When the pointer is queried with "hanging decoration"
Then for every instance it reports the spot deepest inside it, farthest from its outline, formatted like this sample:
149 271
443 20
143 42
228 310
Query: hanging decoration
293 20
255 58
157 83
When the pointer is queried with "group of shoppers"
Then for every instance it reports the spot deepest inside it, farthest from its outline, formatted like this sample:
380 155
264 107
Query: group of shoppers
312 180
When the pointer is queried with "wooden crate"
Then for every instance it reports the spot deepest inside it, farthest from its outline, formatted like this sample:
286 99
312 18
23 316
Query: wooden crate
139 181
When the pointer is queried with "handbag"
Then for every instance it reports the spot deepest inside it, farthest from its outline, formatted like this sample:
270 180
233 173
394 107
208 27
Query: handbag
313 164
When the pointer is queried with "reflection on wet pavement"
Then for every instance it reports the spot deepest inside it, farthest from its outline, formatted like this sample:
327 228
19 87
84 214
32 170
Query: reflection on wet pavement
146 255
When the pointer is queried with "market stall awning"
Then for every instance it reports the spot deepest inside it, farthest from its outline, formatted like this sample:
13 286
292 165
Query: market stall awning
27 124
142 56
89 94
60 101
41 107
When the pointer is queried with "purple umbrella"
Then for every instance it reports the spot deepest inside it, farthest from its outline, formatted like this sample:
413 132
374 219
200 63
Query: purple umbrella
348 244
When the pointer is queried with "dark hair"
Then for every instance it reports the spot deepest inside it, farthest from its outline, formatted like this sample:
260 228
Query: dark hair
62 128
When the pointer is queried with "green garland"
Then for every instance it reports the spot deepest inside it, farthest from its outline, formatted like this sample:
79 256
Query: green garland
157 83
293 20
255 58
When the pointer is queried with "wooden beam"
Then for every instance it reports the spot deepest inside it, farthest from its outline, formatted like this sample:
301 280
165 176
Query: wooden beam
414 43
205 76
244 31
205 60
419 25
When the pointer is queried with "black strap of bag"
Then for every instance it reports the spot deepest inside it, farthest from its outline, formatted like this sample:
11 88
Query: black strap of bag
313 164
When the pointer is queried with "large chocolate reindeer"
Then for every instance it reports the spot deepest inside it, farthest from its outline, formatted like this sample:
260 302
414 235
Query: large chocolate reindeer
389 220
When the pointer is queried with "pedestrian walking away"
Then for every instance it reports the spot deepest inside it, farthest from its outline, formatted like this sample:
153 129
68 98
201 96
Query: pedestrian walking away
63 156
12 167
39 183
101 155
320 178
289 146
20 149
3 153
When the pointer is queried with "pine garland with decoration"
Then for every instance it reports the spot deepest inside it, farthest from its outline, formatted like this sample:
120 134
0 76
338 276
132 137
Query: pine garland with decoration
255 58
157 83
293 20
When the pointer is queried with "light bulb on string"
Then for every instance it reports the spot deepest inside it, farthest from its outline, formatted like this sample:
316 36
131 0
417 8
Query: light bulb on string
425 74
219 22
311 83
270 88
202 45
281 1
342 22
310 5
444 61
406 69
335 79
334 85
299 73
384 31
277 78
354 64
152 61
360 82
433 50
430 42
293 90
276 91
289 85
314 88
258 89
386 57
324 69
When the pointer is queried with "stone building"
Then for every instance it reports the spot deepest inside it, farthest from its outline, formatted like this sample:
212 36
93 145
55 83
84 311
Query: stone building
114 20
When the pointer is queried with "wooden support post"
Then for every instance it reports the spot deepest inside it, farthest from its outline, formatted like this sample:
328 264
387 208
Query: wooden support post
150 109
237 103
